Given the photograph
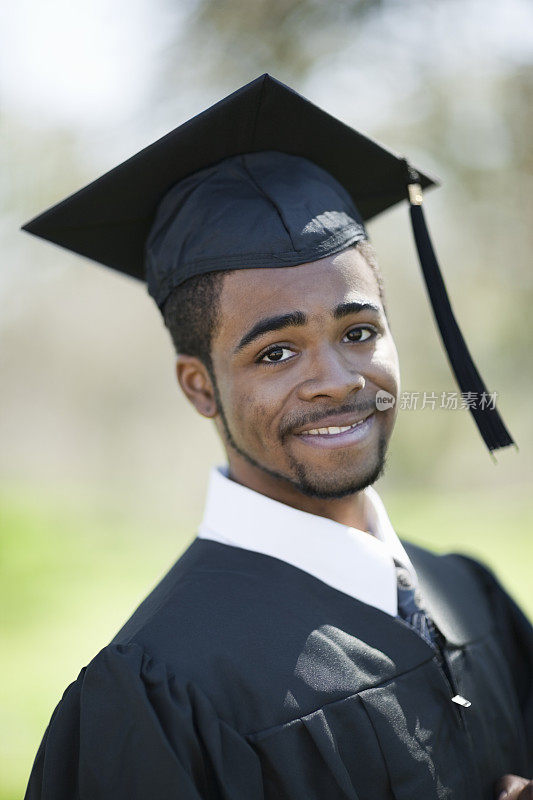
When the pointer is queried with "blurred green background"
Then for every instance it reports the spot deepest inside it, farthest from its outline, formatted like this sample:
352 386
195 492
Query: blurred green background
103 466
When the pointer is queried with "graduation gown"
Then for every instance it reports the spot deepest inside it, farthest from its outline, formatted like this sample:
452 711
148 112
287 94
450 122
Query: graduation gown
242 677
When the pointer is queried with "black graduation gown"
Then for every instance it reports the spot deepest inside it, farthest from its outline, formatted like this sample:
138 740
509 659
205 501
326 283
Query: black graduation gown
244 678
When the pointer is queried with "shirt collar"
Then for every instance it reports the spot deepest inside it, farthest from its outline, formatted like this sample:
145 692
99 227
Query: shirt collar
352 561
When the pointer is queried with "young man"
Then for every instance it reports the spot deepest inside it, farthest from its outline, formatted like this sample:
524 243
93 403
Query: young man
298 648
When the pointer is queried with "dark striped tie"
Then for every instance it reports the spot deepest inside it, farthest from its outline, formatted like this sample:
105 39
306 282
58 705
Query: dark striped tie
410 606
411 611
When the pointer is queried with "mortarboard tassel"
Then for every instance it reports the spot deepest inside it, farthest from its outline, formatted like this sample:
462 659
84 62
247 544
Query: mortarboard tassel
488 420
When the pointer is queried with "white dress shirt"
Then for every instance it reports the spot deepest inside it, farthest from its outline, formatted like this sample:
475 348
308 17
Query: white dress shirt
358 563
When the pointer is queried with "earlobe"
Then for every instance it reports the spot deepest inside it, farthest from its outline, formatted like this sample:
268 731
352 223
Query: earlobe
196 384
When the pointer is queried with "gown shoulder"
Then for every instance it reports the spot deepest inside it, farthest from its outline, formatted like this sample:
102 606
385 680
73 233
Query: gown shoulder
127 729
515 634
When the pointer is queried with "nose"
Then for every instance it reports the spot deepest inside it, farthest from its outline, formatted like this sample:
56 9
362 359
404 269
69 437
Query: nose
332 377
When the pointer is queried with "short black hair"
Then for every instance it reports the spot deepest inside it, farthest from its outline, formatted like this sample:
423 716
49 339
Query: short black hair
191 312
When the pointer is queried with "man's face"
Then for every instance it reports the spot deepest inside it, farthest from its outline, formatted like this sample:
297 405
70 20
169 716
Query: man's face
300 352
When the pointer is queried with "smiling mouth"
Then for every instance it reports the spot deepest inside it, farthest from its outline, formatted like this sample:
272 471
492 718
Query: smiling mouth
333 430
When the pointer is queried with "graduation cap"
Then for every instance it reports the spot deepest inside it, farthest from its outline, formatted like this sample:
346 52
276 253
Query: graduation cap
263 178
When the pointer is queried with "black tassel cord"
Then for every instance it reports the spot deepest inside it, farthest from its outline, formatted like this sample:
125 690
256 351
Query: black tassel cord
488 420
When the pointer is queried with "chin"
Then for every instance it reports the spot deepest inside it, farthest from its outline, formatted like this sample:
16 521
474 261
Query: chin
334 484
331 490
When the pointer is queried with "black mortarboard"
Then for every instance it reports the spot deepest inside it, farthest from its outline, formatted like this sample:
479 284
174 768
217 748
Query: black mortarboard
263 178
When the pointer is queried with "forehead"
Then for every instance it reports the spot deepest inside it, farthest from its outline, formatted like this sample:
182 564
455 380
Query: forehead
315 288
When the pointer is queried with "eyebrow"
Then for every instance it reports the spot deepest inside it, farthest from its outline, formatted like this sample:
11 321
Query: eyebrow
354 307
298 318
272 324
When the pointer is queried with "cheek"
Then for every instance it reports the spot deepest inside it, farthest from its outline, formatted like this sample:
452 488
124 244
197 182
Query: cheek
384 368
249 411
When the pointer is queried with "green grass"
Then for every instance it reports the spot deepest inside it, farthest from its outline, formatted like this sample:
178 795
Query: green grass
72 572
69 578
496 528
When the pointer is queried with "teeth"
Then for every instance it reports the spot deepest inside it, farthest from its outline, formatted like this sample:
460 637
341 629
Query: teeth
331 430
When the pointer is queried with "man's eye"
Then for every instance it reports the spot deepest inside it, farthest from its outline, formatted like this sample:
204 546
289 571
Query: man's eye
356 334
276 354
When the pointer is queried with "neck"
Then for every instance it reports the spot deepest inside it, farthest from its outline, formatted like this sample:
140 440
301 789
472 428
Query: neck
349 510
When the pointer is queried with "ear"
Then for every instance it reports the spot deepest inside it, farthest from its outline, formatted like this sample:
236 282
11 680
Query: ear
195 381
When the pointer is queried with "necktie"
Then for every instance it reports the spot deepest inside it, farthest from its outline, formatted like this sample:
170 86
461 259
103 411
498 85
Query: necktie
411 611
410 606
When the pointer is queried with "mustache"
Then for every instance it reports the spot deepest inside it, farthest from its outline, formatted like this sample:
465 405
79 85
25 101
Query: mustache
299 419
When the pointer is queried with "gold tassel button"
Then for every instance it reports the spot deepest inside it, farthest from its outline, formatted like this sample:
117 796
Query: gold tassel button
415 194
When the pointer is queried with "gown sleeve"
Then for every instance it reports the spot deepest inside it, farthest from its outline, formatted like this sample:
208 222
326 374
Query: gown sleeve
126 729
515 633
